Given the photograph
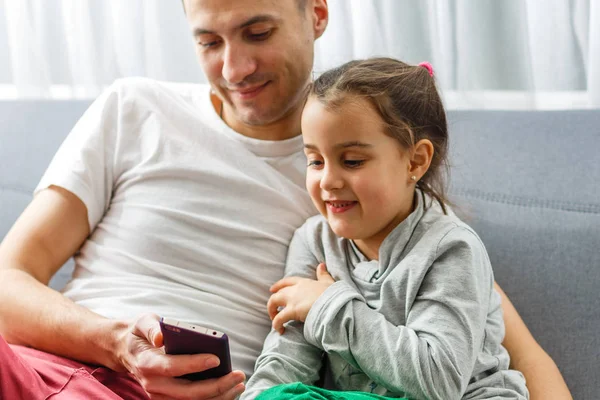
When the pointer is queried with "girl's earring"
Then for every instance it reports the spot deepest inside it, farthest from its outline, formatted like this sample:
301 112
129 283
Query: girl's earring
414 178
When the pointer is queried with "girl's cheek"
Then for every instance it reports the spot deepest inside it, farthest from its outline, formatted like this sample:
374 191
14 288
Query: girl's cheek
314 189
376 195
366 188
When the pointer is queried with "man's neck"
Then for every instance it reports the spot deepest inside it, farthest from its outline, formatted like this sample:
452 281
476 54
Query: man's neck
284 128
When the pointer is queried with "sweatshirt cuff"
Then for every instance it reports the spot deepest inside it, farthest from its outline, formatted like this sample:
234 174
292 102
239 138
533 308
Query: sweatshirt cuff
325 309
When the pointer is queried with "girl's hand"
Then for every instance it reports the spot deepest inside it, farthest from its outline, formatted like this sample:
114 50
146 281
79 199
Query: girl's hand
296 296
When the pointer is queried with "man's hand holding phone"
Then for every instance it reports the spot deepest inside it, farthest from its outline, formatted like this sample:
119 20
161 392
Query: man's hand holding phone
142 354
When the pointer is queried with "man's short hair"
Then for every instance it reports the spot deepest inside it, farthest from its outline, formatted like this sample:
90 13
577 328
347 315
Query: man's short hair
301 5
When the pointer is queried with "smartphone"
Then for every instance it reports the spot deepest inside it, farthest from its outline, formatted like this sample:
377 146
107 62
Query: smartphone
183 338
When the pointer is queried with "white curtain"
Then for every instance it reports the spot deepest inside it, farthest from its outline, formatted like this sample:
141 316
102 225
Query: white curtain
486 53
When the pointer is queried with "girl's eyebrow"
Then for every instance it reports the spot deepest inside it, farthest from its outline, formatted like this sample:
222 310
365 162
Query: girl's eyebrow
343 145
355 143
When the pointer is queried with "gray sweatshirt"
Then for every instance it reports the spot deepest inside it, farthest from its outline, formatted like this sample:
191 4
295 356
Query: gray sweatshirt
422 322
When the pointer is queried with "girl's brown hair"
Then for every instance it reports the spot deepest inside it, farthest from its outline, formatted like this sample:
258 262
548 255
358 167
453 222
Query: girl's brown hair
408 102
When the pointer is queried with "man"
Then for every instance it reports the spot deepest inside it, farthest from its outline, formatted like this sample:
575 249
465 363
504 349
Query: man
175 201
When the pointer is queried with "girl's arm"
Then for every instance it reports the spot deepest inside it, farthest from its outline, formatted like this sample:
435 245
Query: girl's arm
433 354
288 358
284 359
526 355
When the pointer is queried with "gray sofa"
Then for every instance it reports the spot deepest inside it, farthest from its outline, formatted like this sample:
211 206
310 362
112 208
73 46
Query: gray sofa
528 182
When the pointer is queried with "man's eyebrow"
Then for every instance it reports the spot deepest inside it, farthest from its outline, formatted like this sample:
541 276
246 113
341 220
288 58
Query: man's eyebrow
343 145
254 20
259 18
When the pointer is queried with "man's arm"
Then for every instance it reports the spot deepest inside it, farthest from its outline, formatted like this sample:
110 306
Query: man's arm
50 230
544 380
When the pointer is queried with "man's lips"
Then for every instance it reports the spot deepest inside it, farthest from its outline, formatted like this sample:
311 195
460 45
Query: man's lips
248 93
340 206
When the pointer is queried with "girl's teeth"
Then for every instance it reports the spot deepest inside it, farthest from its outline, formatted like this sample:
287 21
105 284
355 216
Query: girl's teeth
340 205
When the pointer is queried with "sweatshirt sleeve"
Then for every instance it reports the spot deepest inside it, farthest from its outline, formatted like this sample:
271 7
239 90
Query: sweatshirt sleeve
289 357
434 354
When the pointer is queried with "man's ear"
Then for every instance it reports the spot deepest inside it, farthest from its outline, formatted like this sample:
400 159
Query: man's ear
320 16
421 157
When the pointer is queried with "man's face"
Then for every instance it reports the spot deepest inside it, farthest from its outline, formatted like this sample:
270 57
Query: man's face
256 54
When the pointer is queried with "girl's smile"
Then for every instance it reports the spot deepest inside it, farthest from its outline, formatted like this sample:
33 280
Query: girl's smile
338 207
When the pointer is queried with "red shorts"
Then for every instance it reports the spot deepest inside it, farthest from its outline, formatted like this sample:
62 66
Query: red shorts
31 374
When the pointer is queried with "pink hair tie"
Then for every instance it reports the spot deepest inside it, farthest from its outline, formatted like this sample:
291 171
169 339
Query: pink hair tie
427 66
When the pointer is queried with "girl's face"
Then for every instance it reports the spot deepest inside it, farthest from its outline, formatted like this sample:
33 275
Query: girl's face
358 177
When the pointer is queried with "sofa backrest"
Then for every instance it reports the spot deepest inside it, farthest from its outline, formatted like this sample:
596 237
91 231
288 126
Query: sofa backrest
30 134
528 182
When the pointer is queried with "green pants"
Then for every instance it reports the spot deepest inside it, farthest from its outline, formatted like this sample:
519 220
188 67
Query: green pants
299 391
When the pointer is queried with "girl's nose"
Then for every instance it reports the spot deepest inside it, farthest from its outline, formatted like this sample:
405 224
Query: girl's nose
331 179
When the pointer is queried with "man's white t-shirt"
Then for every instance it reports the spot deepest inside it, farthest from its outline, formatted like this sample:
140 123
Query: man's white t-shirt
188 219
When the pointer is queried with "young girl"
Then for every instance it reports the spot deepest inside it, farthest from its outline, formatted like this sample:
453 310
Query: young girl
387 286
